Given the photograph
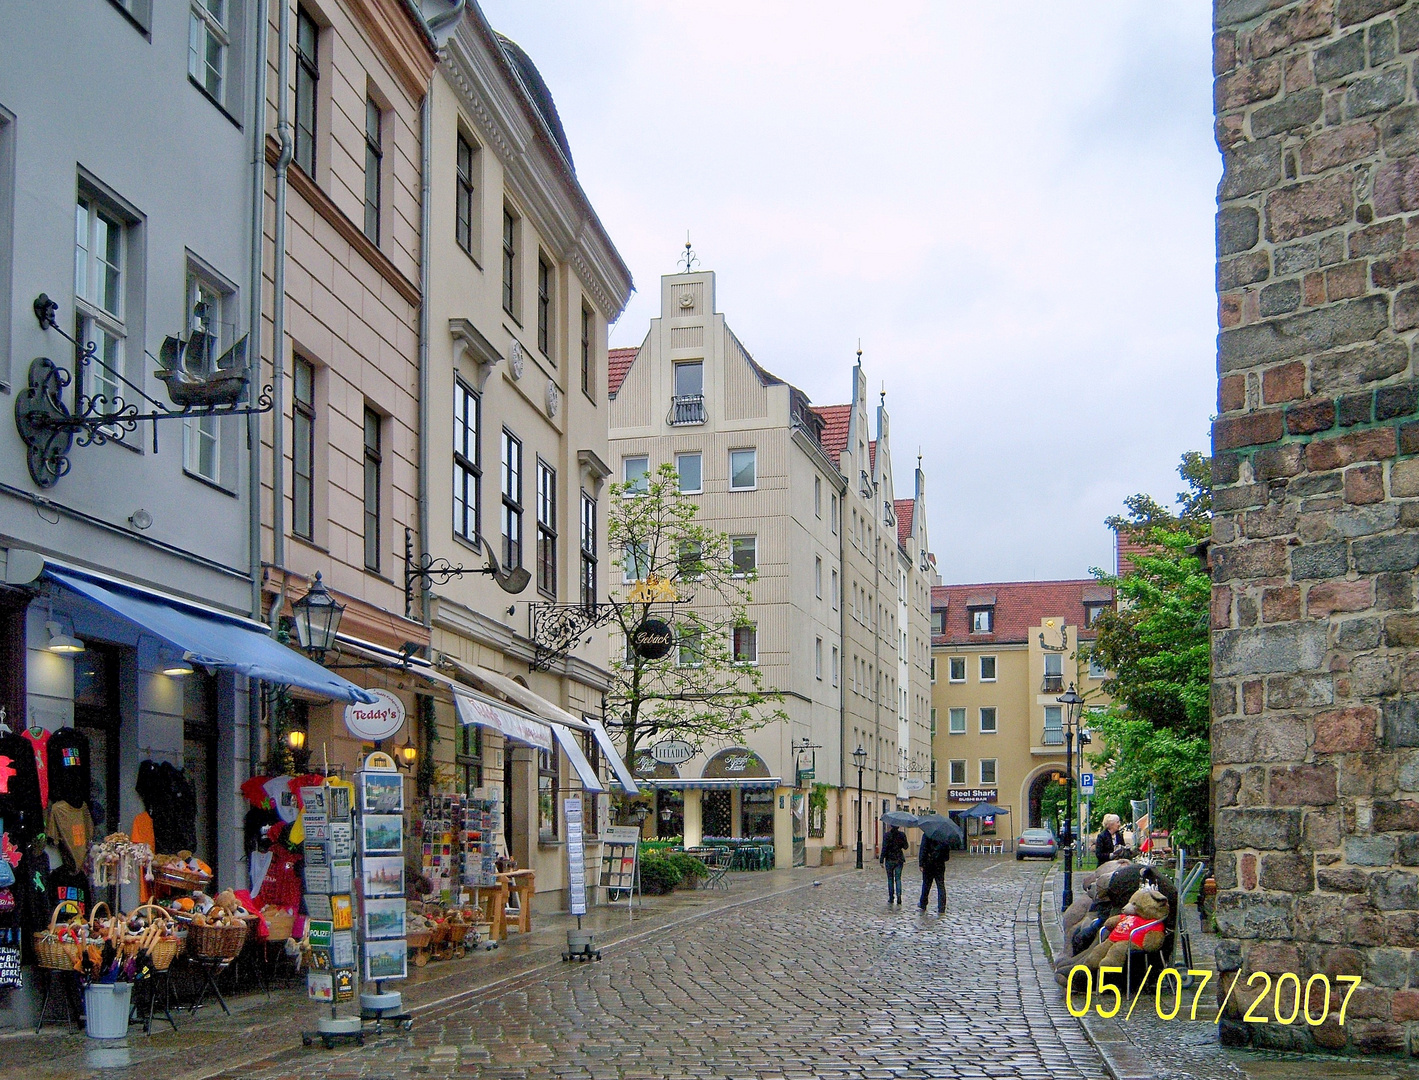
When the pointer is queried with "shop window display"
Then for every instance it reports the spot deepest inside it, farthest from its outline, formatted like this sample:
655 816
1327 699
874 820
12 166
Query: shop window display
758 813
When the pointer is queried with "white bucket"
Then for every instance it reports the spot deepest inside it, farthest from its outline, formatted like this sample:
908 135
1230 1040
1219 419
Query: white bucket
106 1009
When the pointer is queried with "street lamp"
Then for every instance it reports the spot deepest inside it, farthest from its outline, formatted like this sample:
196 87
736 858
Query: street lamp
1071 701
317 616
859 758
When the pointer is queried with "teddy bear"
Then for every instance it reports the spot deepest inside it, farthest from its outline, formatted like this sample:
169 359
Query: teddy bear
1147 905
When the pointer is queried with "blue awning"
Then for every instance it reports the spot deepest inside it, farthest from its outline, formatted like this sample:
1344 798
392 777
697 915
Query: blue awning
215 642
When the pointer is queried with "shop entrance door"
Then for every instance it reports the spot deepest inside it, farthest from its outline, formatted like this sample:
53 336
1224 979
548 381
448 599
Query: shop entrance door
96 716
800 829
718 814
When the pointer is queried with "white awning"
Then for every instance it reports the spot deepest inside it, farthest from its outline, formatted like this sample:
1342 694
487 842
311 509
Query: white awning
477 709
514 691
589 780
624 775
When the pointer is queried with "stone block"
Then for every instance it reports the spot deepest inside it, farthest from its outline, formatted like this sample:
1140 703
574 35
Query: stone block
1232 395
1396 401
1409 438
1343 879
1376 93
1313 561
1310 417
1341 731
1295 110
1354 409
1365 926
1224 869
1409 849
1255 166
1239 227
1303 785
1405 1004
1395 815
1384 238
1387 271
1302 22
1303 487
1351 12
1345 323
1399 131
1408 25
1319 918
1263 828
1356 635
1280 298
1404 478
1320 829
1394 592
1272 462
1353 368
1224 699
1265 558
1243 915
1383 554
1383 43
1340 58
1407 768
1228 784
1338 451
1367 774
1402 932
1248 429
1273 738
1293 258
1370 676
1327 597
1364 484
1274 956
1281 604
1387 967
1402 630
1366 520
1246 85
1309 207
1263 650
1289 872
1370 850
1247 870
1401 722
1285 382
1238 497
1396 187
1246 270
1394 890
1376 1036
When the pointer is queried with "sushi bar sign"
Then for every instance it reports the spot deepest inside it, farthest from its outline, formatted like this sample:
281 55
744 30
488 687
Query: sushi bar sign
380 720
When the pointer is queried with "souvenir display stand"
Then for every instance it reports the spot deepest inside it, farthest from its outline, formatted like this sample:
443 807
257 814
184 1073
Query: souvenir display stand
620 862
329 850
458 857
580 943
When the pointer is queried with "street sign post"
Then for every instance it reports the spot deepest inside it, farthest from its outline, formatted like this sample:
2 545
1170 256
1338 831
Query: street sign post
1086 783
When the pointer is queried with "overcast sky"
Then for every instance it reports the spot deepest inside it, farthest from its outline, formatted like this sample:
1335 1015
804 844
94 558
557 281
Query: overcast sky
1010 204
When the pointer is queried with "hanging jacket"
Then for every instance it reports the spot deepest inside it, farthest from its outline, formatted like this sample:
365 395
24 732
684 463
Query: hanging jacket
21 808
171 800
69 777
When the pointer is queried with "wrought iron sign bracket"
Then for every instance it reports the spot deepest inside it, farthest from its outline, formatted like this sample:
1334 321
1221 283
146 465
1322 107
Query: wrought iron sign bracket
50 429
556 629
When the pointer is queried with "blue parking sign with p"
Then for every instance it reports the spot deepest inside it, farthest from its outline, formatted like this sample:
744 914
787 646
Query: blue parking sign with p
1086 781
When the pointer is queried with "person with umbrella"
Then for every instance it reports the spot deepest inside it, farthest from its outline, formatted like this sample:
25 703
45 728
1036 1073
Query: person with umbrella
937 835
894 854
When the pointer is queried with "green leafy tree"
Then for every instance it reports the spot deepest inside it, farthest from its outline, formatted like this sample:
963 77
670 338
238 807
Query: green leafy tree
1156 644
700 693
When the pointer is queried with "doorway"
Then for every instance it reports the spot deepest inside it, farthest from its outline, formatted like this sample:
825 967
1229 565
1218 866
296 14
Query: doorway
97 718
718 814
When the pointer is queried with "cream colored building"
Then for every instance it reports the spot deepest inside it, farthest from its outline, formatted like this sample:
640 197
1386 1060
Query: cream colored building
811 507
1002 654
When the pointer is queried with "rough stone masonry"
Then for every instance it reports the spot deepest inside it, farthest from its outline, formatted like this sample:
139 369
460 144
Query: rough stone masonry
1315 693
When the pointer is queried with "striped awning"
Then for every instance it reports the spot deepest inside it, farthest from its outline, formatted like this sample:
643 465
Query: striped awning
729 783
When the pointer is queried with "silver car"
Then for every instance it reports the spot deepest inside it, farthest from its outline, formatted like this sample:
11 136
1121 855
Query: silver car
1037 842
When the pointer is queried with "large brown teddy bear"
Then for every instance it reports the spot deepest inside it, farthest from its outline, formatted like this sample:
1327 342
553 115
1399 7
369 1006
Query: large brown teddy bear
1146 905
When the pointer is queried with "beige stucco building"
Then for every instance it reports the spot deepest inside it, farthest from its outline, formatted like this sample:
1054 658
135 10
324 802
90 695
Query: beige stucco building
809 504
1002 654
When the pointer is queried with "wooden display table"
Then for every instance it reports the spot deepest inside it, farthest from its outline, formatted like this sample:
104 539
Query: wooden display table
522 884
491 902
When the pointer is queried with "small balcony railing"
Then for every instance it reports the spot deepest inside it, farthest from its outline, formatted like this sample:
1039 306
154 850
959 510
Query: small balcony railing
1053 736
687 409
1053 684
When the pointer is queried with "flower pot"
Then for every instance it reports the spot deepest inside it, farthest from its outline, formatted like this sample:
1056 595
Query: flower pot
106 1009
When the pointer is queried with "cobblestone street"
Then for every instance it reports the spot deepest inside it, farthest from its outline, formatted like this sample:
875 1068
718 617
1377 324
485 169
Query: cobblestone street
821 982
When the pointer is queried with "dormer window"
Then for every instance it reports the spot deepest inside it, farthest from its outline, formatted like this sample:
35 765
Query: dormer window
983 620
1092 613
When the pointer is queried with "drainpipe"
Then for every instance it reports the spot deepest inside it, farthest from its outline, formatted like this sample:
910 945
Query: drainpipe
278 304
842 641
253 421
448 18
426 122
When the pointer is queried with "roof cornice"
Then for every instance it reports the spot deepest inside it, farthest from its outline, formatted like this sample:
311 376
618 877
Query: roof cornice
538 176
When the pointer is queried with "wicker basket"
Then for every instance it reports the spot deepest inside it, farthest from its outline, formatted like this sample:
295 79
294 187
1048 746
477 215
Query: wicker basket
175 877
419 939
163 951
279 923
216 942
51 953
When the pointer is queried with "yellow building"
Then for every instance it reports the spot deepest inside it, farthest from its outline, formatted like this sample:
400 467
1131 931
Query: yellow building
1002 655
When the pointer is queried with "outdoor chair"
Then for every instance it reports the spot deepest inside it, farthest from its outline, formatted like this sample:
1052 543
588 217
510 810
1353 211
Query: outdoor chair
718 864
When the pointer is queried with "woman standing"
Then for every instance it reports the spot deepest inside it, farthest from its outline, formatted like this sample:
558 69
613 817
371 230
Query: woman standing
894 857
1109 844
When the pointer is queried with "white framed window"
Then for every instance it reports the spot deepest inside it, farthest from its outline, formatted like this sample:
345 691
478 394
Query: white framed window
374 167
691 647
467 461
637 565
1054 726
988 720
207 305
933 659
744 554
635 471
307 82
987 669
207 43
834 657
987 770
745 638
956 669
817 496
512 500
818 576
933 719
958 771
692 474
818 658
743 469
982 620
833 512
1097 670
465 195
1092 613
837 589
588 549
100 278
956 722
938 622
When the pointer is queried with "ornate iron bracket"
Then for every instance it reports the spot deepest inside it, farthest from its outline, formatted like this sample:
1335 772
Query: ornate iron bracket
429 571
50 429
556 629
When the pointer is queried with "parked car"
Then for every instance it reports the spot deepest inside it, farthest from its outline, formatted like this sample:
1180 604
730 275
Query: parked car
1036 842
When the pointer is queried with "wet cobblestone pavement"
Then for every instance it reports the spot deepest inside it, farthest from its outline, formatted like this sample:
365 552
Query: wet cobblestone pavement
821 982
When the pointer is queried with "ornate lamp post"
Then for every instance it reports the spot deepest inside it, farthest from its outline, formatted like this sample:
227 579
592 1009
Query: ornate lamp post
859 758
317 616
1071 702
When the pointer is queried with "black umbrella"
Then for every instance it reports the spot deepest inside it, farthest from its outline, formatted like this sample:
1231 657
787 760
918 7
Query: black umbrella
985 810
941 829
901 819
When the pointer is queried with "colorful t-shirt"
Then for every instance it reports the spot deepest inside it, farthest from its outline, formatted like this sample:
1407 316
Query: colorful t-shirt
39 739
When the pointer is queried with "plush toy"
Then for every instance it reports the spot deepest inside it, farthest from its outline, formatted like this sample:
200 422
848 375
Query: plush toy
1139 926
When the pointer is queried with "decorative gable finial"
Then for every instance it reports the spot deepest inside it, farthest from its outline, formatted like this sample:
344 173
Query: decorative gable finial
689 260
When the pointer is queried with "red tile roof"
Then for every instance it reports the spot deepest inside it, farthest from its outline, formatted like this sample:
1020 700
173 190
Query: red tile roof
618 364
1019 605
1125 548
836 421
906 511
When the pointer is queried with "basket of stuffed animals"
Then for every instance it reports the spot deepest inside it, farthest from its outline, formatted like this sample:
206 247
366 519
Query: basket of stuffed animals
184 874
219 932
58 948
151 929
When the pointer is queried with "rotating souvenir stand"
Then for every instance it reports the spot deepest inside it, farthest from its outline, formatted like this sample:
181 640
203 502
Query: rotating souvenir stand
620 862
329 848
458 842
379 866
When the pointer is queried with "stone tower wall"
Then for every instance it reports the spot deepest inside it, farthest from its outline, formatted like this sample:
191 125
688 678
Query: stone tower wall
1316 632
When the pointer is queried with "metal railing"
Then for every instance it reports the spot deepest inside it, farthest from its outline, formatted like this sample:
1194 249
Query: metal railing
687 409
1053 684
1053 736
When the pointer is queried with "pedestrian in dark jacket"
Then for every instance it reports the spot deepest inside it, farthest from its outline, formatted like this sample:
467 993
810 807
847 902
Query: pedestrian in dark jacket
894 857
932 861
